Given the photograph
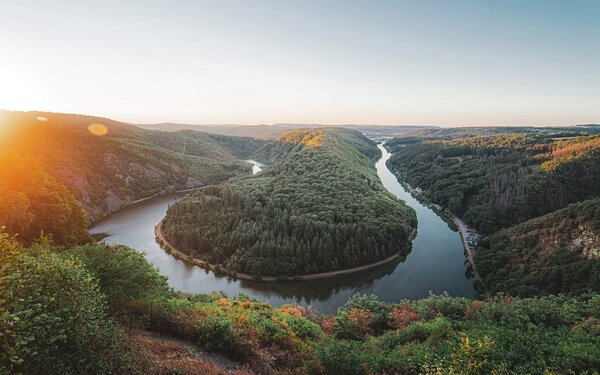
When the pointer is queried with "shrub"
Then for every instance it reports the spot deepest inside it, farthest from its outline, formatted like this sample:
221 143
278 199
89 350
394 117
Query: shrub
361 320
402 315
341 357
304 328
123 273
53 318
445 305
218 333
472 309
437 329
379 319
471 357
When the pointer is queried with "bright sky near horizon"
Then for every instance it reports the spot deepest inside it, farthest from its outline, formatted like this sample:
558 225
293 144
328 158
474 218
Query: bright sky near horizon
449 63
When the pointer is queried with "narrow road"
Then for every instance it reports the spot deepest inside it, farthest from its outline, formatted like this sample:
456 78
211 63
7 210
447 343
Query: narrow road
463 234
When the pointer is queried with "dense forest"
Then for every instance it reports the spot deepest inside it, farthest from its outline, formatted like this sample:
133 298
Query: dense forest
515 187
56 175
319 207
121 163
101 309
33 202
497 181
466 132
555 253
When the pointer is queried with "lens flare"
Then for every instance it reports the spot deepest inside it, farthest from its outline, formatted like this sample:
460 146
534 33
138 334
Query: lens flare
98 129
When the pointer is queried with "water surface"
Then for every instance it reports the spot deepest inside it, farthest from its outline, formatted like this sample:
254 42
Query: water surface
436 262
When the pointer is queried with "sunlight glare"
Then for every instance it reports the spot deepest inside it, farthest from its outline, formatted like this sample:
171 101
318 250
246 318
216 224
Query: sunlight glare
21 90
98 129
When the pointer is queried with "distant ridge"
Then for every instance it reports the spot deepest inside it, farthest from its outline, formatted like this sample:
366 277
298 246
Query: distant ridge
277 130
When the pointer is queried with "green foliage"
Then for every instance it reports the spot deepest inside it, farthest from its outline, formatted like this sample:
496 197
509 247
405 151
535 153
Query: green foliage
467 132
497 181
554 253
303 328
501 336
341 357
128 163
34 203
218 333
53 318
320 208
516 187
123 273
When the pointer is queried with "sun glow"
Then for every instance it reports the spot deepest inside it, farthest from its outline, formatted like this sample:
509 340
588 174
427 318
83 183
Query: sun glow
22 90
98 129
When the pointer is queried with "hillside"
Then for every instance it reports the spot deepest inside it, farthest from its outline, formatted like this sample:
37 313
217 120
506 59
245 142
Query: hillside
515 187
555 253
107 164
277 130
33 202
474 131
497 181
319 207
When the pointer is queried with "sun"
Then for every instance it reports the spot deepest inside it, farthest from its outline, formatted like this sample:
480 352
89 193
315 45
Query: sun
21 90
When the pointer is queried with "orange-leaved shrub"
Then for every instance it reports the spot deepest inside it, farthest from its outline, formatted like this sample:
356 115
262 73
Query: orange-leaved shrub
402 316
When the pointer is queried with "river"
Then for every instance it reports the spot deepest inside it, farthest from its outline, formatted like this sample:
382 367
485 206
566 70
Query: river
436 262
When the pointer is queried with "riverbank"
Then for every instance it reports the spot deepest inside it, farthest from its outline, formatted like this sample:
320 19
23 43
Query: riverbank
436 264
141 200
462 227
246 276
459 223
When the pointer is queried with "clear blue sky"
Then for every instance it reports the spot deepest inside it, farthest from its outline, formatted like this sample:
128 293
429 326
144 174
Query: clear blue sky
446 62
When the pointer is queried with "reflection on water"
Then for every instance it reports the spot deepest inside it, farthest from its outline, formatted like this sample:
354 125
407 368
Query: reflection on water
435 264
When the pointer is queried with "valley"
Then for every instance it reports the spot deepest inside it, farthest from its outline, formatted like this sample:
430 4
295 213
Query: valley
281 214
300 187
435 264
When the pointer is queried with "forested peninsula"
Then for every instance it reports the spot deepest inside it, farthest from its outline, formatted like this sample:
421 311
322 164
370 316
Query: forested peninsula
318 207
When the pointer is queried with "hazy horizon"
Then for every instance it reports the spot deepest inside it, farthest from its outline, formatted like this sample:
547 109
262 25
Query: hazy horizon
158 123
427 63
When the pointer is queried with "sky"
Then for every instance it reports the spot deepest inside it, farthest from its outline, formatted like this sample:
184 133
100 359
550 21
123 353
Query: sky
446 62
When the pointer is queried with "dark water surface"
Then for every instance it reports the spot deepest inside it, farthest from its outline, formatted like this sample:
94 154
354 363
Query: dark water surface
436 263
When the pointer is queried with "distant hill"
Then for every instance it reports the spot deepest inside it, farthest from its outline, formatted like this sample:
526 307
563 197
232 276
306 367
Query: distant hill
107 164
277 130
473 131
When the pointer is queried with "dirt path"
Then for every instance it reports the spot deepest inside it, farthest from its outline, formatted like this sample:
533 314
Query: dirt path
463 234
245 276
160 354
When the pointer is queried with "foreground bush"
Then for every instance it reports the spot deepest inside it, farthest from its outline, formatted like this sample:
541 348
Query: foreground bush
53 316
123 273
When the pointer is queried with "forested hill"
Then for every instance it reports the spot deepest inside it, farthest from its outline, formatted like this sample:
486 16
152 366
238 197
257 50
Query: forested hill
515 187
474 131
103 163
555 253
320 207
497 181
